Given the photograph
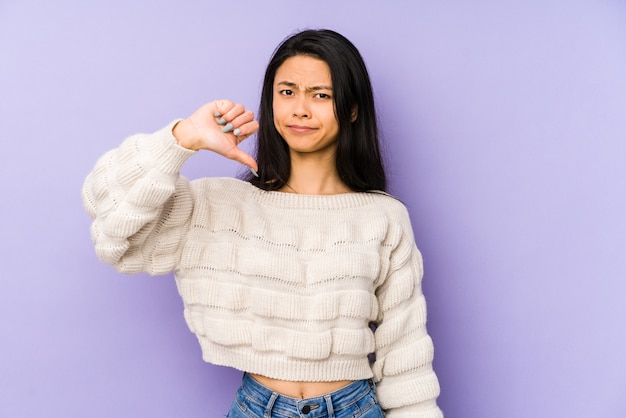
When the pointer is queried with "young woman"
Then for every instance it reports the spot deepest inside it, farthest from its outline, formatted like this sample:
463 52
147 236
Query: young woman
305 275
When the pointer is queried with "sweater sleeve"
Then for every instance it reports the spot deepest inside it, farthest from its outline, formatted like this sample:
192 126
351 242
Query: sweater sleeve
406 383
139 203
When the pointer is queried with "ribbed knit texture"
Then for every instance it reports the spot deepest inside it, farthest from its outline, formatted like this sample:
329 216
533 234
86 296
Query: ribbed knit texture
278 284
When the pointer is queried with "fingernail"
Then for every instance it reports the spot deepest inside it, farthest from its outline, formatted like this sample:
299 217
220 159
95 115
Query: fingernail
254 172
227 128
221 121
217 114
237 131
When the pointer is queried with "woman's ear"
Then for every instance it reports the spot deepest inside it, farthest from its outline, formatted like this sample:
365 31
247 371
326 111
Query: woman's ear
354 113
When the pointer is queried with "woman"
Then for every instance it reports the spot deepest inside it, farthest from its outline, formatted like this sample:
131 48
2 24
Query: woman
286 275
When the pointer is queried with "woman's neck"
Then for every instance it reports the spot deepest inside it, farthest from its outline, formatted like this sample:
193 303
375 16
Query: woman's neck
314 177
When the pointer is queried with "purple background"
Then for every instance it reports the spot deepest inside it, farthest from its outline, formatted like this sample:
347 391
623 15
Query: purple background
505 124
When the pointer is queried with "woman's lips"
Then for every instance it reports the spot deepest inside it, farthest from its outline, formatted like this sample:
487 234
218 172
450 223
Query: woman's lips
300 129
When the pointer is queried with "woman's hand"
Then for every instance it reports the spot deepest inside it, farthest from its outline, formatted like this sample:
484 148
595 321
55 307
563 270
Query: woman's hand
218 126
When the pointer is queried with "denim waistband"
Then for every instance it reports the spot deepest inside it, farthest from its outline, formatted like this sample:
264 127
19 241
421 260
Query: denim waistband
319 406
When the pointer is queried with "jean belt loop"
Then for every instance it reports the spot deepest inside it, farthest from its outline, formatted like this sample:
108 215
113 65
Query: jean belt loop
329 406
270 405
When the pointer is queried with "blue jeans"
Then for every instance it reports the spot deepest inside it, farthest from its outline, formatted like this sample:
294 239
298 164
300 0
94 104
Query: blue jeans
253 400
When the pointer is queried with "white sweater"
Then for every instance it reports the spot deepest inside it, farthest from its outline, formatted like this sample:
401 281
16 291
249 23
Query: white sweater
279 284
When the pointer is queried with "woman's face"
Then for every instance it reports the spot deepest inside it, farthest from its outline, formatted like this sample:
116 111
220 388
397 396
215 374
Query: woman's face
304 111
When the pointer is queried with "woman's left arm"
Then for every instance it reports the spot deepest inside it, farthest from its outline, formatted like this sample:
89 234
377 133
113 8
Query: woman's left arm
406 383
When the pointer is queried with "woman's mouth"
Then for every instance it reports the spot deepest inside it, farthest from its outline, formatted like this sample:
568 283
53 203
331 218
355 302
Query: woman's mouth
301 129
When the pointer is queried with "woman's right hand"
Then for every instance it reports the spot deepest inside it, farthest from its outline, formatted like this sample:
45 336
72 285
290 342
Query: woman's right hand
219 126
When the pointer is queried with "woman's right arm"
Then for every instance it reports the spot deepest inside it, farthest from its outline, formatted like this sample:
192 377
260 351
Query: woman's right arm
139 203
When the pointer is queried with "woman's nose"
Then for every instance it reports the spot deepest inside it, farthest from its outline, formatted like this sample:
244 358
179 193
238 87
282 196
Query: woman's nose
301 109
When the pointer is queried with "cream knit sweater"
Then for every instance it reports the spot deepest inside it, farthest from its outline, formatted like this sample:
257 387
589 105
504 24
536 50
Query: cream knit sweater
278 284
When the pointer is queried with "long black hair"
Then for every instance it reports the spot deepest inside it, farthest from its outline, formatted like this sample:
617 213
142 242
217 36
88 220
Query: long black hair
358 157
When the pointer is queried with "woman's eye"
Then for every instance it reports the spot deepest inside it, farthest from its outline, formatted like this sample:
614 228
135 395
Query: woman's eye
322 96
286 92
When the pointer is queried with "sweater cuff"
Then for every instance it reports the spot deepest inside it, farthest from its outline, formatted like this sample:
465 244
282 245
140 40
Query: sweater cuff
164 149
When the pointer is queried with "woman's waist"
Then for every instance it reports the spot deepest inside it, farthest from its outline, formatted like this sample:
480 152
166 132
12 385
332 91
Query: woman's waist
300 390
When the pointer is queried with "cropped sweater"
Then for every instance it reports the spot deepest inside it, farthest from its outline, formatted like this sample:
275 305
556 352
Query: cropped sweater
279 284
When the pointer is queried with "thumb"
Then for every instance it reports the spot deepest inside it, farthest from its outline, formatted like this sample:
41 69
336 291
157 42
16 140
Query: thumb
244 158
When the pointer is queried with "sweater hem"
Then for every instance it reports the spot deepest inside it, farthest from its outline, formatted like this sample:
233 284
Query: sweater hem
277 366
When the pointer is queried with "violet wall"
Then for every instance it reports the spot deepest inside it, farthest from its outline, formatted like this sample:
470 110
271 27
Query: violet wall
505 124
